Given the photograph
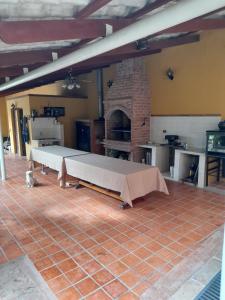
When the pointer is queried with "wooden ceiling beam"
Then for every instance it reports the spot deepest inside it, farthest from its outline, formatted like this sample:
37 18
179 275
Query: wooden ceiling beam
197 25
16 61
88 64
91 8
17 70
18 32
156 44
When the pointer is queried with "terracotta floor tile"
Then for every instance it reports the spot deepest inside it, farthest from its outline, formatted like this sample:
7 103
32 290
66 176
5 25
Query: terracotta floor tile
34 256
143 269
82 258
74 250
130 245
177 247
59 256
69 294
43 263
100 238
130 278
166 254
141 288
163 240
99 295
87 243
115 289
52 249
153 246
156 261
67 265
50 273
107 259
117 267
110 244
142 253
92 267
128 296
86 286
102 277
120 238
131 260
186 241
59 283
75 275
119 251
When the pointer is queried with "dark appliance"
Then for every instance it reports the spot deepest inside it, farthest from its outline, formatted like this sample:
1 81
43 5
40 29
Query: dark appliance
90 135
172 139
173 142
215 145
83 136
221 125
215 152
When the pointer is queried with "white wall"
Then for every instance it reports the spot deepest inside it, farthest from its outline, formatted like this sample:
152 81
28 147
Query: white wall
191 129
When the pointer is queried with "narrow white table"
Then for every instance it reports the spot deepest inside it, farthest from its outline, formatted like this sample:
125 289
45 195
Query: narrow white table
53 157
131 180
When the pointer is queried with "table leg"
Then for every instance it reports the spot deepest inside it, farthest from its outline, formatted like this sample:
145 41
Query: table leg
124 205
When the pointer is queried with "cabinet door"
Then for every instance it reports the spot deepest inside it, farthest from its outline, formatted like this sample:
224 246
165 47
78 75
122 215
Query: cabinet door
83 137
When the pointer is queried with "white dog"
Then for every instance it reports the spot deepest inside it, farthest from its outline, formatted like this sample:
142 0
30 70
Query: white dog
30 180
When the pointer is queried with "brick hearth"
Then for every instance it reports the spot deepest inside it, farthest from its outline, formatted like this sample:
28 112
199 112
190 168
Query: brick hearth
130 94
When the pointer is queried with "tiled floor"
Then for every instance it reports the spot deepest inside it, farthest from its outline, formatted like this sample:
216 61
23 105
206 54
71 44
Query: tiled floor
85 246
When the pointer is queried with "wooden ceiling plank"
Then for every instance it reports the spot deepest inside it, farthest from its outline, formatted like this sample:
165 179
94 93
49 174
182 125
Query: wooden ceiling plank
91 8
148 8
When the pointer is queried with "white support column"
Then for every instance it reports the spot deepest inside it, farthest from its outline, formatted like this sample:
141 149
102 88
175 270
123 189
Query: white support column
222 288
2 159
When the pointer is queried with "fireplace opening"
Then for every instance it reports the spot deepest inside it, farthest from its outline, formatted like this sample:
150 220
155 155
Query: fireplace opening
119 126
118 154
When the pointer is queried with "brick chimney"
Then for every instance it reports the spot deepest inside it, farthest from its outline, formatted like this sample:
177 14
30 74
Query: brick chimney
129 95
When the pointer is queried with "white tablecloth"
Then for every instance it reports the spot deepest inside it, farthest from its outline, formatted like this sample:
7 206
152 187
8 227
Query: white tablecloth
131 179
53 157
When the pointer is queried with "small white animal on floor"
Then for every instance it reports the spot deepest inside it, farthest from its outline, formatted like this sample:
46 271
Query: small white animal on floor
30 180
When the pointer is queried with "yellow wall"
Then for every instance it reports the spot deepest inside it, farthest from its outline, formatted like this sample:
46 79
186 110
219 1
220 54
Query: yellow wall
3 117
199 83
74 109
23 103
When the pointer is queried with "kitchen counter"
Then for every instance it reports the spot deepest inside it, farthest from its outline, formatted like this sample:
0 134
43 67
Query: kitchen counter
150 145
192 151
158 155
182 163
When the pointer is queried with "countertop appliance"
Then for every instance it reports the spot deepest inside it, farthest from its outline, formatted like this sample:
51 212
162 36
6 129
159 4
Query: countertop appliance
173 140
215 145
221 125
215 150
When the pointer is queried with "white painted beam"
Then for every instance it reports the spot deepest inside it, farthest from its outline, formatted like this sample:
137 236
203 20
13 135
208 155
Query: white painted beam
179 13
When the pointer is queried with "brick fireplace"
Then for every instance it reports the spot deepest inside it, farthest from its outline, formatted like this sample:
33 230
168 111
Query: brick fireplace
127 111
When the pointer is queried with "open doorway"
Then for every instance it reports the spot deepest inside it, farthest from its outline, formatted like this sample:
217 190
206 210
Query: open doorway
17 125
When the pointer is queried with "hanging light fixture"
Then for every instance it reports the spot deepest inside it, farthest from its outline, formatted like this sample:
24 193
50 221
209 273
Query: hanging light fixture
70 82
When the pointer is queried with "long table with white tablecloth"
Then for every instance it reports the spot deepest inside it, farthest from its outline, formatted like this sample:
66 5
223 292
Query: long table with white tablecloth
131 180
53 157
